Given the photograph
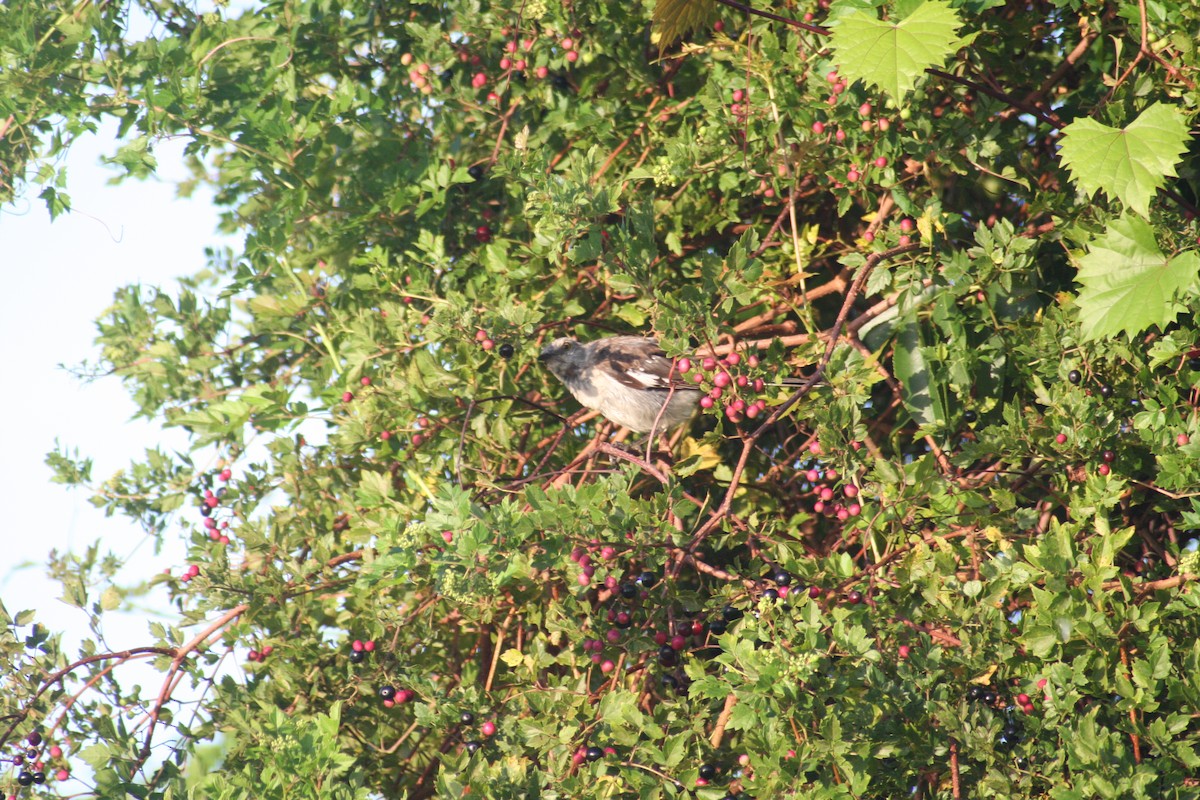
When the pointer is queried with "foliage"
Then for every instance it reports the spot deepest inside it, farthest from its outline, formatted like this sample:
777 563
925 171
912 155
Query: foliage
962 564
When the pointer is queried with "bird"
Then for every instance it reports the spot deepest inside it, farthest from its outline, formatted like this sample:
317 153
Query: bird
628 379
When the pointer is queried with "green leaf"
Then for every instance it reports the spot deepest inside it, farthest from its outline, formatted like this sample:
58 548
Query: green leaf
676 18
1129 284
1130 163
892 56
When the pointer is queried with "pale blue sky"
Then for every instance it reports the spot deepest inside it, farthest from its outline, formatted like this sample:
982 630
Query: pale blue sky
58 278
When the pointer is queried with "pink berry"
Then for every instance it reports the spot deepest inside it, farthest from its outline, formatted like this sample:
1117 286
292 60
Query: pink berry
709 364
718 26
505 63
738 95
1061 438
881 162
488 728
607 666
542 72
347 397
852 176
568 44
733 359
572 56
62 775
904 240
678 642
520 64
851 490
865 109
706 402
721 379
840 135
356 645
55 751
613 636
225 475
1182 439
487 344
1104 469
480 335
818 127
369 645
1023 699
854 509
906 225
510 47
903 651
660 638
479 80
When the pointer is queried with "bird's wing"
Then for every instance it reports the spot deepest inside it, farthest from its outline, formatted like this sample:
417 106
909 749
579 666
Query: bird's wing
638 363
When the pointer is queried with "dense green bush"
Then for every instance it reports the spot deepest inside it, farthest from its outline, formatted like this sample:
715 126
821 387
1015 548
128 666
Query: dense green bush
960 565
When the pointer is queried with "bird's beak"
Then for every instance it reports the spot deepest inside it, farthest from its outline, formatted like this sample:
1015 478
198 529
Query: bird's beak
542 356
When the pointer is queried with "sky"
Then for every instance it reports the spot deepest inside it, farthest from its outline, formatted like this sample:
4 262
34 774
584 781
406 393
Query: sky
59 277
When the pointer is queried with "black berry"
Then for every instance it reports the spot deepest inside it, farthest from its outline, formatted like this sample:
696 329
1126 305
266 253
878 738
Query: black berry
782 578
708 771
1074 376
34 738
358 656
505 350
594 754
731 614
717 627
387 692
475 171
771 594
974 693
667 656
629 590
39 778
969 416
473 746
647 579
1106 391
25 778
560 82
989 697
467 718
1194 363
669 681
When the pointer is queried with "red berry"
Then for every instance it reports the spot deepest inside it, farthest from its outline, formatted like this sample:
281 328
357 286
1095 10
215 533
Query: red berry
678 642
1104 469
62 775
718 26
225 475
1061 438
881 162
488 728
852 176
906 225
505 63
572 56
903 651
818 127
347 397
1023 699
1182 439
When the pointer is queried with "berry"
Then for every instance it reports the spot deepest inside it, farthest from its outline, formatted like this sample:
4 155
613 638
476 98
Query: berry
647 580
1104 469
1023 699
708 771
818 127
814 592
387 692
505 350
357 656
782 578
34 738
1194 363
1106 391
974 693
347 397
61 775
717 627
903 651
467 718
39 777
56 752
1109 456
628 590
1183 439
731 614
483 234
988 697
1061 438
472 747
25 778
488 728
854 598
678 642
475 171
667 656
771 594
593 754
1074 377
969 416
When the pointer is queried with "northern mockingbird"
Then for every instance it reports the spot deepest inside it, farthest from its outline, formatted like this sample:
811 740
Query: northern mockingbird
628 379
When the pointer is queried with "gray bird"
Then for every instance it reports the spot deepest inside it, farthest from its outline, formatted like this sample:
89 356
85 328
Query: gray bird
628 379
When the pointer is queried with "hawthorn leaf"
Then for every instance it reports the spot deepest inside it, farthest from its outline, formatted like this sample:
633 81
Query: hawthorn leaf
892 56
1131 163
1129 284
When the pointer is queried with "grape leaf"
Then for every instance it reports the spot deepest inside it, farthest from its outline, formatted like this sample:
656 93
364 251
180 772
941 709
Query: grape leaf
1128 283
1129 163
676 18
893 55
